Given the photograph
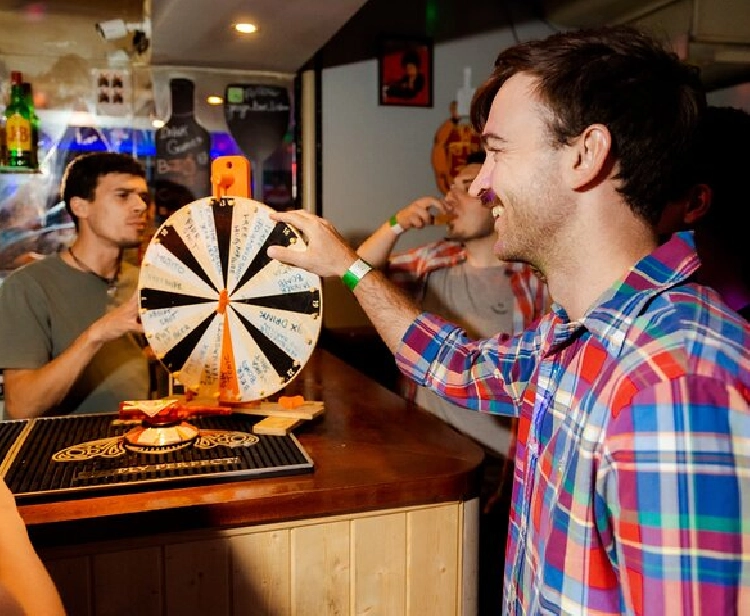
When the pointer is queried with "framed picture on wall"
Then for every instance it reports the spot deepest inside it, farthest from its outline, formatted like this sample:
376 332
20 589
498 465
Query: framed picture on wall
405 71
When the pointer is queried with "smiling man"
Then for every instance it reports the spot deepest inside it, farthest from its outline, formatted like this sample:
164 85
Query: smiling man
631 490
65 320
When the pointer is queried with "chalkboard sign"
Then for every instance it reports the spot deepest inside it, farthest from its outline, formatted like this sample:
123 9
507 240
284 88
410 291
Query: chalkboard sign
257 117
183 147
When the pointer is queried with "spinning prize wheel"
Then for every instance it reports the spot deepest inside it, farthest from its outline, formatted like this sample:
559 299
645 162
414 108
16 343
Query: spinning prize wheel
224 318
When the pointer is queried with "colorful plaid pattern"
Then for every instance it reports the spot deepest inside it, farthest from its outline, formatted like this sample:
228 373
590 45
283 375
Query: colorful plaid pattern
631 491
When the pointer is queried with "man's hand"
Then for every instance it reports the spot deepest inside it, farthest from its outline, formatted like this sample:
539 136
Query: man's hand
326 254
118 321
420 213
31 392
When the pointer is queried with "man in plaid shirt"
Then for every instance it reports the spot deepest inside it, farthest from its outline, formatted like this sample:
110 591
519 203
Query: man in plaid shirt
632 473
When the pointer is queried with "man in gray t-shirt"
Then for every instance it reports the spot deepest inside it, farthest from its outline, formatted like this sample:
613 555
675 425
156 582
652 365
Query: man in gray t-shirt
461 279
69 323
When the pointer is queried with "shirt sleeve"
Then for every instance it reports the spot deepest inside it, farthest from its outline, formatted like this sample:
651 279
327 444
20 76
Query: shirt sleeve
25 340
675 489
405 269
482 375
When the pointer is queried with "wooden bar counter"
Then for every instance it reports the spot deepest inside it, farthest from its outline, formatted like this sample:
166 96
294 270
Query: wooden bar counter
386 523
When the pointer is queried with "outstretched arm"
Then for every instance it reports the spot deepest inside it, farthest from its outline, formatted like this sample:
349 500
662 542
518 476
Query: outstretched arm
25 585
328 254
418 214
32 392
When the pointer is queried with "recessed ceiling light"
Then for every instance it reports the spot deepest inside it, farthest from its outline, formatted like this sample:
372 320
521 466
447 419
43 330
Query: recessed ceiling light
214 100
157 123
245 28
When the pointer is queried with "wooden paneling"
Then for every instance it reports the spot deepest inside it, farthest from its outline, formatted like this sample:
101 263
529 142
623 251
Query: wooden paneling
379 546
197 578
128 582
72 576
261 577
390 563
321 573
470 557
432 560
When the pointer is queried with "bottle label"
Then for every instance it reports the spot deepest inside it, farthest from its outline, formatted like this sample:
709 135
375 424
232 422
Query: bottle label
183 156
18 133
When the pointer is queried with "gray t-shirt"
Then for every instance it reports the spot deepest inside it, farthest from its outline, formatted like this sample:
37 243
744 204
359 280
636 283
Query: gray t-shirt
45 306
481 301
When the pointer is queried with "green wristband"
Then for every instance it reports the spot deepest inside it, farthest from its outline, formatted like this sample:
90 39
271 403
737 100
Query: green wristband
395 227
355 273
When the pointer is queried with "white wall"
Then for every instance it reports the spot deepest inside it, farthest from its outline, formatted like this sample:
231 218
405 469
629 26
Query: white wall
376 159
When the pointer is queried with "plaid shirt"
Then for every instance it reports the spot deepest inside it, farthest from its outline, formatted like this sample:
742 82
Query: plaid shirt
632 480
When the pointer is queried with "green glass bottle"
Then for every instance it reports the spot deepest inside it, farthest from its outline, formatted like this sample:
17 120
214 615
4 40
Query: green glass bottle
28 97
18 126
3 149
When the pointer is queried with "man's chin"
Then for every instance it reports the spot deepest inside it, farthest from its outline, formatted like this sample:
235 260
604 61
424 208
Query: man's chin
505 253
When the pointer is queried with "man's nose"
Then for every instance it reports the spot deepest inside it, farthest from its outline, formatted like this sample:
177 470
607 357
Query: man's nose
140 204
481 182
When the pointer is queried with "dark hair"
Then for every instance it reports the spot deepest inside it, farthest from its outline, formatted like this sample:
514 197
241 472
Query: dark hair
649 101
476 158
723 166
82 175
410 57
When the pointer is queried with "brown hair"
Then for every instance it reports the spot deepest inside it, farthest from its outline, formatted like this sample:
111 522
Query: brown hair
648 99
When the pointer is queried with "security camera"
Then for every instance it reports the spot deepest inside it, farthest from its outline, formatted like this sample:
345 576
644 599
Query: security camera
112 29
140 42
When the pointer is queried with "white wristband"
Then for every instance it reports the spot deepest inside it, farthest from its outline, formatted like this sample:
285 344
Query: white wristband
395 227
355 273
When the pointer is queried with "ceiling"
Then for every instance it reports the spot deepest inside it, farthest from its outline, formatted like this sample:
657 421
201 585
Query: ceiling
711 34
196 33
195 39
200 34
187 38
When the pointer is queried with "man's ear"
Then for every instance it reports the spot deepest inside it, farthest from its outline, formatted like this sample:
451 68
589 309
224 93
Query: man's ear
698 204
79 206
589 159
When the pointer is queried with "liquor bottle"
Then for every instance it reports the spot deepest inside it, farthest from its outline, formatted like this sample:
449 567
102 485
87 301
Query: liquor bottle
183 147
3 148
18 126
28 96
